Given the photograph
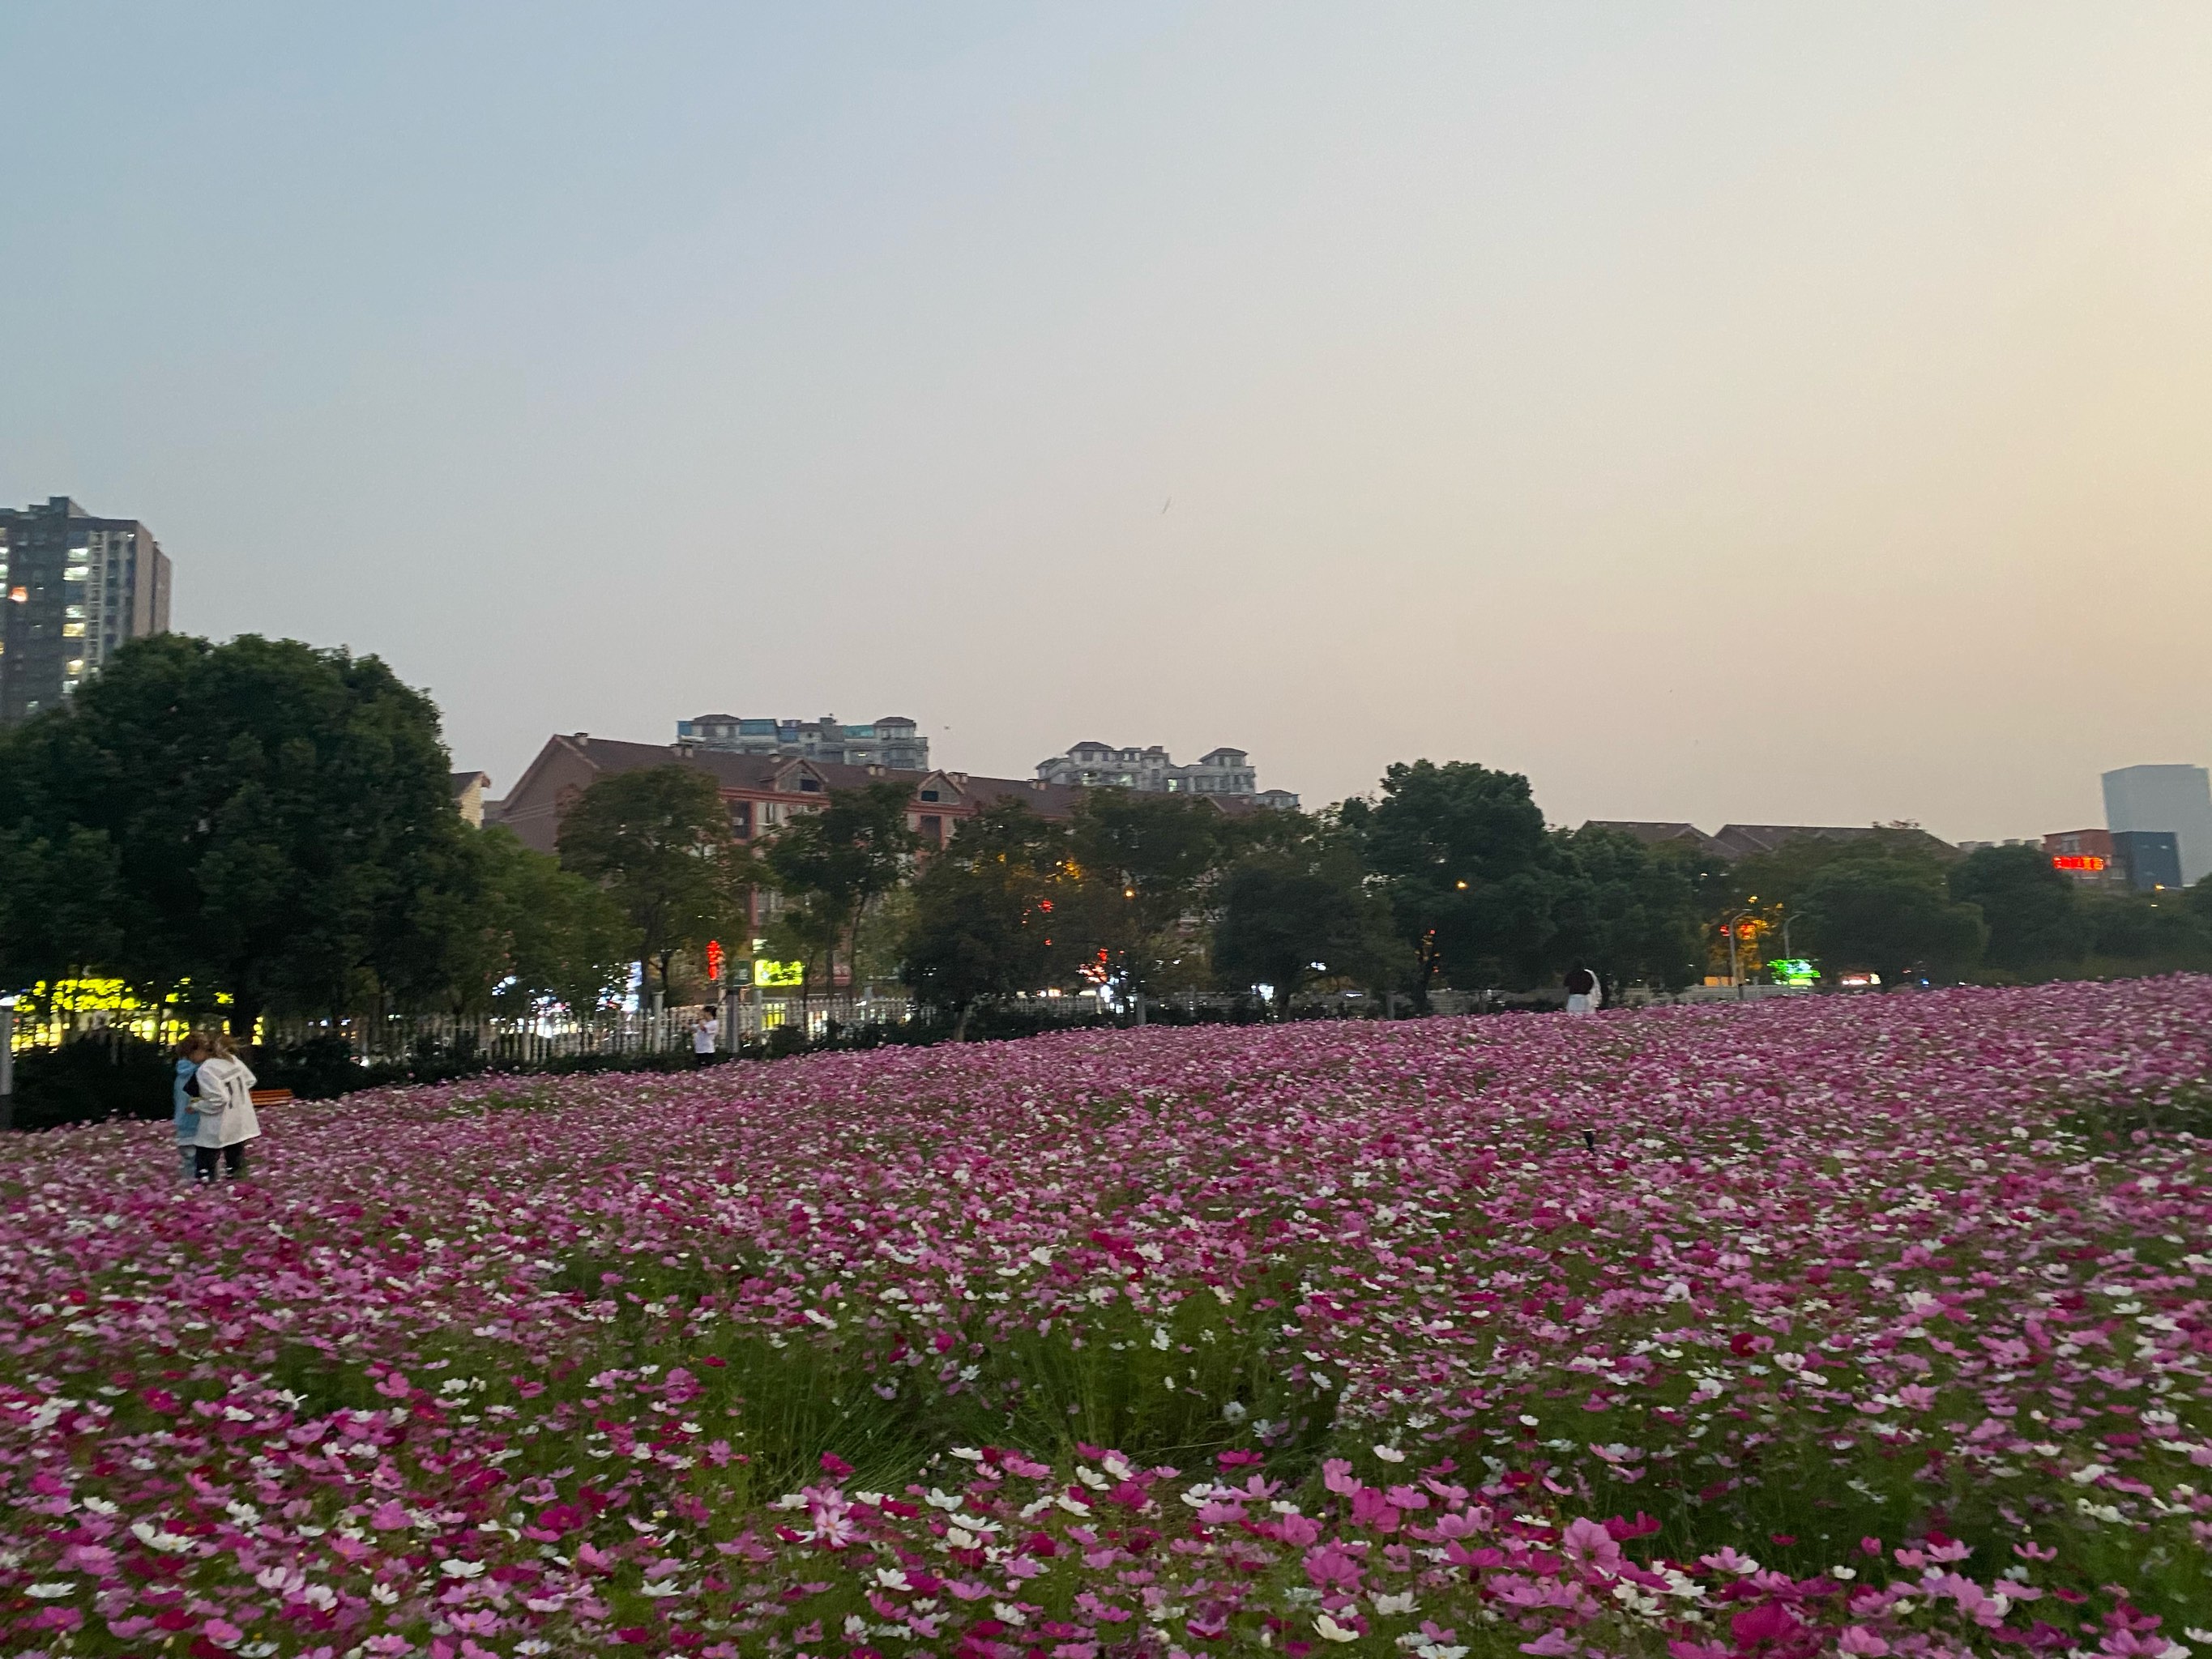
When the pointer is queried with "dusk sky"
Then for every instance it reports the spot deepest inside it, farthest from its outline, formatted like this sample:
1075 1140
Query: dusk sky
1779 413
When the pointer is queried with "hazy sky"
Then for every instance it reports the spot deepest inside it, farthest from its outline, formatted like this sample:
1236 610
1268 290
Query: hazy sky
1772 412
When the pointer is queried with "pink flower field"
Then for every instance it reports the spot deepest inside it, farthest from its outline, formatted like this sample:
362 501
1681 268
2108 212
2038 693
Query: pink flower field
1873 1326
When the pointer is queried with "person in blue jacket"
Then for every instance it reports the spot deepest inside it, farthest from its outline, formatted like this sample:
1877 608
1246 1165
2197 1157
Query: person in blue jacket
189 1054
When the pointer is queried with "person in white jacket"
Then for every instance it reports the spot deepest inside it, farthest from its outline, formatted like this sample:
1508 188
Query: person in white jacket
226 1112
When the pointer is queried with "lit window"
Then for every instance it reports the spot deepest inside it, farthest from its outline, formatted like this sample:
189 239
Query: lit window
73 631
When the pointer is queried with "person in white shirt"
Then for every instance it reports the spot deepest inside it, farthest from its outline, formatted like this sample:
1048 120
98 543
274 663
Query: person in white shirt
225 1106
704 1035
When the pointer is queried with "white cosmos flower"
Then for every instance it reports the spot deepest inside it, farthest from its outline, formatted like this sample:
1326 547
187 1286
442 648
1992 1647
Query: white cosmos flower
1332 1631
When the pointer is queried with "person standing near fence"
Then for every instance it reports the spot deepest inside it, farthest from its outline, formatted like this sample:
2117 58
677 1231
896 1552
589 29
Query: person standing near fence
704 1035
183 1092
226 1111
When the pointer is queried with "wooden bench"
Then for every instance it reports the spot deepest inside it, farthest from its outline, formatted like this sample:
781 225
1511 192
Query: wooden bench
271 1097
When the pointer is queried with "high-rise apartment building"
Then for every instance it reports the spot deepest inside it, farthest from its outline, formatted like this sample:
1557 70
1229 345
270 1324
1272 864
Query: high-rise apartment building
893 741
2177 798
72 588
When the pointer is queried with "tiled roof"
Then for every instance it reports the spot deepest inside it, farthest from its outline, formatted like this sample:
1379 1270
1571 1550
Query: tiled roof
772 774
1652 833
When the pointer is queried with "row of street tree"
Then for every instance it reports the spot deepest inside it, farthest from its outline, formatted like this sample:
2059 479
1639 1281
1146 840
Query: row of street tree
260 827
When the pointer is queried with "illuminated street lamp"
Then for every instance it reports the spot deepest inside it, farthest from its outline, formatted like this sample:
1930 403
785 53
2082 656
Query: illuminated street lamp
1735 975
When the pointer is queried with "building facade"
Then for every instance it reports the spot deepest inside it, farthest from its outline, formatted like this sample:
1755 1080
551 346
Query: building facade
75 588
893 741
2083 855
1218 774
761 793
2177 799
2148 860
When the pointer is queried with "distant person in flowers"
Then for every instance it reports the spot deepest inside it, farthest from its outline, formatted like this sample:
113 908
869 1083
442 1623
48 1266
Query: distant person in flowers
184 1089
703 1036
226 1111
1583 992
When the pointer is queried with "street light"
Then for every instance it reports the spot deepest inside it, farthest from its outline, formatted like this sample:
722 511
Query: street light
1736 976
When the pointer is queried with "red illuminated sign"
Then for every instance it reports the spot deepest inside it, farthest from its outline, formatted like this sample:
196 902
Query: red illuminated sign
2077 861
713 958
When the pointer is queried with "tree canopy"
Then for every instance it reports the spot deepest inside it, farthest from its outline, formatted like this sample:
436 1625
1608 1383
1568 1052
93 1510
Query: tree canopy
1892 916
2033 912
830 864
260 818
659 841
983 918
1288 916
1466 861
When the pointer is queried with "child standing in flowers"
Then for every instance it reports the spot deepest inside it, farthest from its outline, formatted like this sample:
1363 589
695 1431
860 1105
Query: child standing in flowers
184 1093
227 1118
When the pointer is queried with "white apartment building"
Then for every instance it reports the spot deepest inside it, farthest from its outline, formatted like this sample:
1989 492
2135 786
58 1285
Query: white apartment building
1218 773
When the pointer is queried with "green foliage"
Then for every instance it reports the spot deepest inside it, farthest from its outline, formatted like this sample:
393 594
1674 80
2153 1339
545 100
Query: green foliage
90 1079
1781 876
1627 911
1891 914
1290 914
62 906
1467 865
658 841
1143 863
537 932
981 924
2139 933
278 820
2034 914
832 863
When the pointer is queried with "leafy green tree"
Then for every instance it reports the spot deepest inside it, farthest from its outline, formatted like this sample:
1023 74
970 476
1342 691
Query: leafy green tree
279 817
983 912
1625 910
1892 915
2034 914
1469 868
832 863
1143 863
2136 932
1289 915
61 906
1780 877
537 932
658 840
2198 899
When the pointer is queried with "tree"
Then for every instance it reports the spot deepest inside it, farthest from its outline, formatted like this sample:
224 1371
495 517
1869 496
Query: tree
659 841
61 906
1468 867
983 912
1143 863
279 819
2136 933
831 865
1625 910
1891 915
538 932
1289 915
2034 914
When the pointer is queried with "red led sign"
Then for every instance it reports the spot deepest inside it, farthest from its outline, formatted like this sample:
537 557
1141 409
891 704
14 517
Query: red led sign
2077 861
